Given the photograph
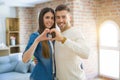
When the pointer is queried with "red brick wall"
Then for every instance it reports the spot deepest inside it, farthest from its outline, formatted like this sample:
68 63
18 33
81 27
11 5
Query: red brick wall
26 16
85 16
108 10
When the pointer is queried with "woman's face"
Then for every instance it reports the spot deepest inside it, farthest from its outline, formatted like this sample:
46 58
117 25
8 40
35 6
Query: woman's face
48 19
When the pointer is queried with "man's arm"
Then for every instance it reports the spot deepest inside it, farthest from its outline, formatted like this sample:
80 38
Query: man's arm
75 42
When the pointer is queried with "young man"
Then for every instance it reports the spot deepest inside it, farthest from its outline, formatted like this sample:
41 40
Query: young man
70 47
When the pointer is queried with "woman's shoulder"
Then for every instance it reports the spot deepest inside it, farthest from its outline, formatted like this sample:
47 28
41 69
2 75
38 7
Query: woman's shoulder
34 34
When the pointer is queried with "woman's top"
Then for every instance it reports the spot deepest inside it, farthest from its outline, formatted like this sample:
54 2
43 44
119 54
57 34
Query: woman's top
43 69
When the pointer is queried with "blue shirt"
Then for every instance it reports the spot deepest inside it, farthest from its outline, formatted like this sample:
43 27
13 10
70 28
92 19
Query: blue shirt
43 69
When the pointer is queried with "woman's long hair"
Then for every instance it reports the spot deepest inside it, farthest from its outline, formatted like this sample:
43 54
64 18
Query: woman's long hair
45 46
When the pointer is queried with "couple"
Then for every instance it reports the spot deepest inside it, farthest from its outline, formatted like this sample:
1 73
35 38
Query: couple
70 47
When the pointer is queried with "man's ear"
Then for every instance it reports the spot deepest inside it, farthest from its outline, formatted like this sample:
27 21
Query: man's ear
70 17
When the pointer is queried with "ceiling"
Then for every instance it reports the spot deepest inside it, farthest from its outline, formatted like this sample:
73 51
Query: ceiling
22 3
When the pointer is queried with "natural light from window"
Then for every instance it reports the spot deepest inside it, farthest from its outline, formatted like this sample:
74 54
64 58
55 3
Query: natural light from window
109 50
109 34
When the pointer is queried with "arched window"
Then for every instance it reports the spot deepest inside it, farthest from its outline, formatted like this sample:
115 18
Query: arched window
109 52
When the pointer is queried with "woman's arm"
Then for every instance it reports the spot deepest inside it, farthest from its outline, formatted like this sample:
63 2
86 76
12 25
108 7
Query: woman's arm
30 51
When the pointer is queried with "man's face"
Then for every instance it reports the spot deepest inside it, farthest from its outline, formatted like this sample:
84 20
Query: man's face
63 19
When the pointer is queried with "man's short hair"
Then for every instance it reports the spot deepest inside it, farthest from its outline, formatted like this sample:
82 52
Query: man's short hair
62 7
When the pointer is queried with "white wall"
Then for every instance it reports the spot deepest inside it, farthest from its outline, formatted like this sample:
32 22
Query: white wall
5 12
2 30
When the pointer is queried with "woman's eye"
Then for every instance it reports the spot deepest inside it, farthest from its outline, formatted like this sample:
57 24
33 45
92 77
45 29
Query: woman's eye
47 17
52 17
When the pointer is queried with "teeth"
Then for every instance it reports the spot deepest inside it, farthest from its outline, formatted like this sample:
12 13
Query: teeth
49 24
61 24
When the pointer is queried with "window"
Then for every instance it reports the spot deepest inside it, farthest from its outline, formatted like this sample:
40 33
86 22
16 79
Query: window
109 53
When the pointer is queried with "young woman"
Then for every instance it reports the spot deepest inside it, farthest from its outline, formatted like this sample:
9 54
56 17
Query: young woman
40 46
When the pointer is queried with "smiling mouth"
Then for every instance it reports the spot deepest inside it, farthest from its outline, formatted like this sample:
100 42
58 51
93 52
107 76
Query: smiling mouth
49 25
61 25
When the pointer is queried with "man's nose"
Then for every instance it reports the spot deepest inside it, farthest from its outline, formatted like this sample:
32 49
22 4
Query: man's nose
61 20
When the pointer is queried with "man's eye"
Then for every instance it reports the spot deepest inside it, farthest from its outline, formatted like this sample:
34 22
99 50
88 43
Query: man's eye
57 17
63 17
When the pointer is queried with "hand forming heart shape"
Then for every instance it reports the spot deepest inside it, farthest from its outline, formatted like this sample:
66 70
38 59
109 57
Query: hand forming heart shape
51 34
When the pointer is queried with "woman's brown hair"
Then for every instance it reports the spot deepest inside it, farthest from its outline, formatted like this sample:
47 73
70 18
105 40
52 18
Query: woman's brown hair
45 46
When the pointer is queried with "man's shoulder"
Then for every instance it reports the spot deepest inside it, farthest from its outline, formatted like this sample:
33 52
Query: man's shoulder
76 32
75 29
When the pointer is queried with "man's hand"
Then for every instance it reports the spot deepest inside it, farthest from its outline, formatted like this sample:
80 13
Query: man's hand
35 60
58 35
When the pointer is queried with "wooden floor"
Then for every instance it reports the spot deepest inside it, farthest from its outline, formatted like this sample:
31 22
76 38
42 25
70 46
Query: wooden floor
101 78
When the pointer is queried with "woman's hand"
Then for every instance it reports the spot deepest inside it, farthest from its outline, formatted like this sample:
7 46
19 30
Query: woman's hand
43 36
